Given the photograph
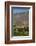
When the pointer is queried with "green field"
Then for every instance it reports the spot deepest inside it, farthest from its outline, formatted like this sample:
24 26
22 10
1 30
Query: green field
20 31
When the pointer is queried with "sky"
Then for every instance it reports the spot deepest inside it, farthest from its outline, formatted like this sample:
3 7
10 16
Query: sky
19 9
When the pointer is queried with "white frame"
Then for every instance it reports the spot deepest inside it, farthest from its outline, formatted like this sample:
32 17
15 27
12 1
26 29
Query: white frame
30 25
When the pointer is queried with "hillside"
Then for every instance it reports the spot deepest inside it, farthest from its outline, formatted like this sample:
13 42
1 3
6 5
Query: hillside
21 18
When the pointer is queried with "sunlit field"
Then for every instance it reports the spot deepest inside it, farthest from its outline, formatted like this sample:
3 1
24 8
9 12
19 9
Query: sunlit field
21 31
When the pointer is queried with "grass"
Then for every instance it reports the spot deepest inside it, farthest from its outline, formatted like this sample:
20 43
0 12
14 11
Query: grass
20 31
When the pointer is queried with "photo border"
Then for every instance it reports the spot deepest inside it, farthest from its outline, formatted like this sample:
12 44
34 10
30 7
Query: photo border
30 24
7 22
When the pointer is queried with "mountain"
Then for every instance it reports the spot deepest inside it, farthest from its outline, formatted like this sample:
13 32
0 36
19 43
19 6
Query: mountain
21 18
